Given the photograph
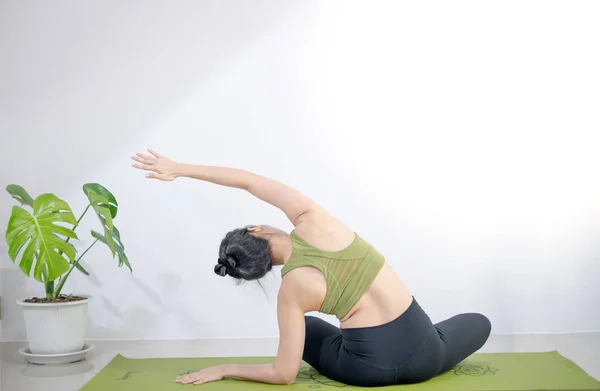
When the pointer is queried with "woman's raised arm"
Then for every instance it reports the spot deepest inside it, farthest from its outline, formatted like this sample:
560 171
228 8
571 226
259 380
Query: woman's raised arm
289 201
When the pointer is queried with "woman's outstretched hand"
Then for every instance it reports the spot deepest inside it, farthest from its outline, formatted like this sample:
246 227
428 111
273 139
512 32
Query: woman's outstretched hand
159 166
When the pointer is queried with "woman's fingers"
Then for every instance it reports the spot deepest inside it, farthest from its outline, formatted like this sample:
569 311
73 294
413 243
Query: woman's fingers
154 153
143 161
160 168
146 157
200 377
143 167
162 177
189 379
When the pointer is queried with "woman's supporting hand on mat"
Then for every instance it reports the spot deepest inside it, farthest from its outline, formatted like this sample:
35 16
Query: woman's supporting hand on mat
263 373
205 375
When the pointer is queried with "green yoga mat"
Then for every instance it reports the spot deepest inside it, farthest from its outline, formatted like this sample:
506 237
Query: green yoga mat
480 372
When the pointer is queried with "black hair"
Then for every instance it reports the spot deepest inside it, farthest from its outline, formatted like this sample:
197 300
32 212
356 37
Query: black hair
243 256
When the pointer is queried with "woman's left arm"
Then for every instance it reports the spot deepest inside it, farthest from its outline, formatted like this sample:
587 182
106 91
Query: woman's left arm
284 370
291 346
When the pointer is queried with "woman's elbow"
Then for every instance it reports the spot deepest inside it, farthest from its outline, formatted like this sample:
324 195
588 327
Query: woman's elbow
285 378
289 380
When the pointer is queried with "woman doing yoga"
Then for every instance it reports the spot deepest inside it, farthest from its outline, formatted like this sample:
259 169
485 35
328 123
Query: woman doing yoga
384 337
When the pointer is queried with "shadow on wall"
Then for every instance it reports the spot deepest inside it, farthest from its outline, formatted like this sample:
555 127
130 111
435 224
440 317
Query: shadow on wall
108 320
150 293
171 284
134 325
92 278
141 321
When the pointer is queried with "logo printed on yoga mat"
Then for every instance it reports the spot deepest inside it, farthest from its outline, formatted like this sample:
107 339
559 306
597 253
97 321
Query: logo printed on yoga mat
309 374
473 370
127 376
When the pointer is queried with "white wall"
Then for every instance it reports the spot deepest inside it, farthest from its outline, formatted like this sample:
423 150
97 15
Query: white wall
460 138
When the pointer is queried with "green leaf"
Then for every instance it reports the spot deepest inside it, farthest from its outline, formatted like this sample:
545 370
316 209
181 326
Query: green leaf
119 247
81 268
111 202
43 239
19 194
102 206
98 236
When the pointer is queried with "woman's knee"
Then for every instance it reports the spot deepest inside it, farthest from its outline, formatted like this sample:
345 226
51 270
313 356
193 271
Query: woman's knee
486 325
481 325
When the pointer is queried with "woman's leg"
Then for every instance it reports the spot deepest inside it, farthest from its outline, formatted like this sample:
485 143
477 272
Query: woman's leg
317 330
462 335
323 350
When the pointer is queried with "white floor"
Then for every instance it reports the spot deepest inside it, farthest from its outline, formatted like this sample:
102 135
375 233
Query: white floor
17 375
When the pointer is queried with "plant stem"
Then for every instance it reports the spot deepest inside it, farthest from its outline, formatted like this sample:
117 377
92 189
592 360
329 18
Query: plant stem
64 279
49 289
61 280
81 217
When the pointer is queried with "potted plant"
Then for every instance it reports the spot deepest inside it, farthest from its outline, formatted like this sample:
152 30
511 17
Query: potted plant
39 236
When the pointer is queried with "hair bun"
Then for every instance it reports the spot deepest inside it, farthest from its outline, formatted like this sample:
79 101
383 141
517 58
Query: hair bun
221 270
231 261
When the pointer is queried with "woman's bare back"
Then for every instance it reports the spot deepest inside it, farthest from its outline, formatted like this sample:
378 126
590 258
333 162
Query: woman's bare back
385 299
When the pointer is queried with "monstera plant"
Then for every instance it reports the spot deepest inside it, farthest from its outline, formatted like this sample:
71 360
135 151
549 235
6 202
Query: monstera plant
40 236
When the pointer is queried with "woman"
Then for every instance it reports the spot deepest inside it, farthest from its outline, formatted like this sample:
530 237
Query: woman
384 337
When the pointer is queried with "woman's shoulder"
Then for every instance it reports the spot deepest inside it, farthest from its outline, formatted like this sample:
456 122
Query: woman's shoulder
323 233
306 286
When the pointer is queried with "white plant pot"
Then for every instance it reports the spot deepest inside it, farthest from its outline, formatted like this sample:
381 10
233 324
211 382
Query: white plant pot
56 328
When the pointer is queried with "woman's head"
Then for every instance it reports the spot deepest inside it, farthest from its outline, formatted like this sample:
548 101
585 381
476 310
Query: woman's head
245 254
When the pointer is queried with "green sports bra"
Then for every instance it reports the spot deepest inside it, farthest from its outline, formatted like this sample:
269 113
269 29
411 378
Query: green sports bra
348 272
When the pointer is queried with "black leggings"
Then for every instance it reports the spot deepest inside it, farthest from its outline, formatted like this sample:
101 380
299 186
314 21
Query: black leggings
409 349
